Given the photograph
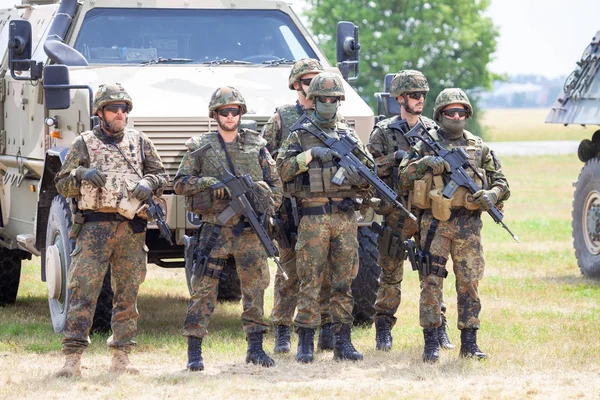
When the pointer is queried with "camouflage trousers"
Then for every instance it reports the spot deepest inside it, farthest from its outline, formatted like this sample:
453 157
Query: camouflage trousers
253 270
100 245
326 240
459 237
285 293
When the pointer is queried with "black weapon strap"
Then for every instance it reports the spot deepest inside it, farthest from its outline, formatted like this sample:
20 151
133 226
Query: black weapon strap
299 108
229 162
441 261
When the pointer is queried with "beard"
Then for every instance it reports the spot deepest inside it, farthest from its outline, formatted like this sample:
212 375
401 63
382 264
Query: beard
111 127
226 128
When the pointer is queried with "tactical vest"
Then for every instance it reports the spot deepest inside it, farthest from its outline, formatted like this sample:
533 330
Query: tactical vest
244 155
121 179
428 190
316 182
288 115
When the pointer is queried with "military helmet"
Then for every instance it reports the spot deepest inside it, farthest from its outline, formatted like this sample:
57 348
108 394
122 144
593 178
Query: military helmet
451 96
302 67
226 95
408 80
326 84
110 93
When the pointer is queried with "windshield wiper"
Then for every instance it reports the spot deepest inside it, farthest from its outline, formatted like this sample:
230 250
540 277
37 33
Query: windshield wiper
225 61
161 60
280 61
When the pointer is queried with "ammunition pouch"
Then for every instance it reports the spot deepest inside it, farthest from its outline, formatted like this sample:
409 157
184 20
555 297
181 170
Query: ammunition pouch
427 264
197 260
389 242
78 221
440 206
421 190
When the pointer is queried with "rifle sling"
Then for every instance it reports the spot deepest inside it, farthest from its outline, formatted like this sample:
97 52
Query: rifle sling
222 143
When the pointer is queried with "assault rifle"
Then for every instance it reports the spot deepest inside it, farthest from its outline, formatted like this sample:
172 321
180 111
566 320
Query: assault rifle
238 186
458 159
345 147
156 212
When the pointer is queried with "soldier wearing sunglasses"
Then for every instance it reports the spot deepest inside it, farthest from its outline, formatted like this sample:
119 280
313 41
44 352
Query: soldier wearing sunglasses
110 232
243 151
452 227
388 146
286 291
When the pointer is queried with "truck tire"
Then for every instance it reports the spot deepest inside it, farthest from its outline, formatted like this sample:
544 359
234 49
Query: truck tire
366 283
10 275
586 219
56 259
230 289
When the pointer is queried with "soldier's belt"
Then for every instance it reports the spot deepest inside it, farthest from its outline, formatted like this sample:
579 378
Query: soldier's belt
325 209
103 217
462 212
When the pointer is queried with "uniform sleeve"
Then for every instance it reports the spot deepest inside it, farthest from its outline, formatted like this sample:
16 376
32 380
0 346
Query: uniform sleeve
495 174
189 180
271 132
77 156
153 168
410 171
270 176
385 162
290 160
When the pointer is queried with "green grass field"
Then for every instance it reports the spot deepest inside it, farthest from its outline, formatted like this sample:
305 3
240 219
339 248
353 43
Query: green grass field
540 324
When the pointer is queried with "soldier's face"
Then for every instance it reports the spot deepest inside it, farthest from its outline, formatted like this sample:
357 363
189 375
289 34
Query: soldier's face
413 102
305 82
114 118
225 118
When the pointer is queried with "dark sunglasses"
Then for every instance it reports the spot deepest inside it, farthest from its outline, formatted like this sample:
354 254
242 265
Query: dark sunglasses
416 95
451 112
115 107
328 99
224 112
306 81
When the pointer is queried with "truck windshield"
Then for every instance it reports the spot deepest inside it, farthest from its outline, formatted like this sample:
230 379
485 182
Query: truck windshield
122 35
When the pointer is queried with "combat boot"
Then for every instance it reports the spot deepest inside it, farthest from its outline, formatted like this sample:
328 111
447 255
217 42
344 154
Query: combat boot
325 337
306 345
343 348
71 368
195 362
383 334
120 363
431 352
442 335
255 354
468 345
282 339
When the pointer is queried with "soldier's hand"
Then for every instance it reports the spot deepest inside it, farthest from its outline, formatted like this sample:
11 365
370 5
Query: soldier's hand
219 191
143 190
485 199
324 154
92 175
353 177
437 164
400 154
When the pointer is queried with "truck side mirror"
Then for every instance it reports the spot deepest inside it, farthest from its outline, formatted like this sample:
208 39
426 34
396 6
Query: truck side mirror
347 49
19 44
56 87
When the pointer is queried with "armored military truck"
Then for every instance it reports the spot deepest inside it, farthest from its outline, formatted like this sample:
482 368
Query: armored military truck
579 103
170 56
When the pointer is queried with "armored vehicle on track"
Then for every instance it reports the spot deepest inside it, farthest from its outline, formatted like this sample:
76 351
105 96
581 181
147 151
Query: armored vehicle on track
170 56
579 103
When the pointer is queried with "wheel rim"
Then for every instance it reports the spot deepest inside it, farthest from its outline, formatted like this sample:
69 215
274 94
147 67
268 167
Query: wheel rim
590 220
59 261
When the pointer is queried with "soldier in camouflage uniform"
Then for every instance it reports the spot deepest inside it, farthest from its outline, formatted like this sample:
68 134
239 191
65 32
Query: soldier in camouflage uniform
286 291
389 146
327 228
453 226
110 229
244 152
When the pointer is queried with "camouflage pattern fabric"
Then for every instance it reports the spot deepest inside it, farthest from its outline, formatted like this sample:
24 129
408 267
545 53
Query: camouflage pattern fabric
100 245
253 270
408 80
225 96
459 237
110 94
326 84
321 237
302 67
450 96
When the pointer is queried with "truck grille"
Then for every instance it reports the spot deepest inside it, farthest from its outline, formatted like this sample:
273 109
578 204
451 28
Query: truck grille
169 136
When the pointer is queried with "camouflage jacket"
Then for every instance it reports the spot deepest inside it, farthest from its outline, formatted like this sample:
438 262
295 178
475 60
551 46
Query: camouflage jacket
480 157
78 155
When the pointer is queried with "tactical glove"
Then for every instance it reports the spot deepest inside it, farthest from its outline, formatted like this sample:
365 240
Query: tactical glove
353 177
262 198
485 199
437 164
400 154
143 190
219 191
92 175
323 154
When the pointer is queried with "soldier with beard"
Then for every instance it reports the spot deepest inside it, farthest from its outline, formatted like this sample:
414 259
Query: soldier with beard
453 226
100 166
244 152
388 146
